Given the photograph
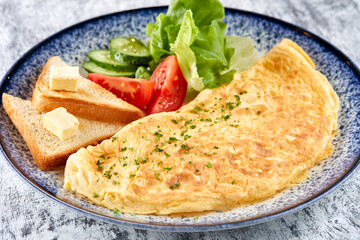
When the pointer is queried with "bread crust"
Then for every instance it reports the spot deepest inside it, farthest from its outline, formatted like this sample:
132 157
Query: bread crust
44 161
45 102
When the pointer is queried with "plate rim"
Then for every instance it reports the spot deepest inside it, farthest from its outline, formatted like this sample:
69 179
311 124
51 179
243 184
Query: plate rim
182 228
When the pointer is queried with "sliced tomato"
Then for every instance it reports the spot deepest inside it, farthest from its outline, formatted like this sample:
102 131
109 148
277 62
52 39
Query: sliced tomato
137 92
170 87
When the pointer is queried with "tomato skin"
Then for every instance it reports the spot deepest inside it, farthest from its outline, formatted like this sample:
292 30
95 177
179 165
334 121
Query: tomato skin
170 87
137 92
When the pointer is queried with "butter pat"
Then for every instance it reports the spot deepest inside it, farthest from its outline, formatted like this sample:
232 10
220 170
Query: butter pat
61 123
64 78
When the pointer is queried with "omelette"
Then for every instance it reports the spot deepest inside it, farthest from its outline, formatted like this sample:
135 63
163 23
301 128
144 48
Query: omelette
235 144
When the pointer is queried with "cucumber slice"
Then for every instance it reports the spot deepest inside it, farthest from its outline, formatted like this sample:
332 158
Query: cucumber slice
142 73
102 58
94 68
130 50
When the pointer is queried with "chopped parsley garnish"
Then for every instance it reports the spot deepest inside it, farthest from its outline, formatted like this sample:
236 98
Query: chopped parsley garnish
183 133
230 105
112 166
116 173
98 163
131 149
188 122
175 121
114 182
173 139
233 182
95 195
226 117
159 134
108 174
197 170
125 164
192 126
159 163
137 161
185 147
157 175
123 149
113 139
102 156
166 154
208 165
167 168
140 123
196 109
158 149
216 147
175 185
132 175
116 211
186 137
258 112
159 103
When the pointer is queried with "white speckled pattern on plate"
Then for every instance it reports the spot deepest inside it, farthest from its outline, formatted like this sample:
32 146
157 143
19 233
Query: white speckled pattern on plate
72 45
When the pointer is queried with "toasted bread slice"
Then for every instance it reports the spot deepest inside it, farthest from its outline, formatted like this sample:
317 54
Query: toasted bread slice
90 101
48 150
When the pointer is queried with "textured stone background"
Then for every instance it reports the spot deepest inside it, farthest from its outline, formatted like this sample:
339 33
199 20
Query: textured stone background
27 214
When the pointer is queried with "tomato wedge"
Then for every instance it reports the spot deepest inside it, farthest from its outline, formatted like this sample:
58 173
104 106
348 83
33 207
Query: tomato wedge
137 92
170 87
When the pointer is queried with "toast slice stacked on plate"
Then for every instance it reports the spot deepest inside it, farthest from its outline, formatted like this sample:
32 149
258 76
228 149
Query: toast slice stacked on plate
89 101
99 112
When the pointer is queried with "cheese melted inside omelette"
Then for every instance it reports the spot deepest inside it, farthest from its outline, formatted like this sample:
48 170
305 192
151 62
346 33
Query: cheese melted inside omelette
238 143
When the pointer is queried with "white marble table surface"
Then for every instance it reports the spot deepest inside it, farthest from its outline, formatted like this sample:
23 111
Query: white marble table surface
27 214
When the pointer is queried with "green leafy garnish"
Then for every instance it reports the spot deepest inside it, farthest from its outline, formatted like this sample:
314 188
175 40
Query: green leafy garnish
175 185
195 32
208 165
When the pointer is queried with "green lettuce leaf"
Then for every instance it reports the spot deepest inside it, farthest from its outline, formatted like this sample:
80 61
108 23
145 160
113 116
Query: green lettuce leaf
203 55
185 56
245 55
166 27
159 41
187 63
195 33
204 12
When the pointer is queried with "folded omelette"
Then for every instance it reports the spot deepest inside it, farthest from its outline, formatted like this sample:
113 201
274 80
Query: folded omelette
238 143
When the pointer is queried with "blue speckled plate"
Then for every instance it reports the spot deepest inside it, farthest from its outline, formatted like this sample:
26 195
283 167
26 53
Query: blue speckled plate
73 43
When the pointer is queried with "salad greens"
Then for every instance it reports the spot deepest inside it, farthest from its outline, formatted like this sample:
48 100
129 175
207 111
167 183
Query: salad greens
195 33
142 73
245 54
